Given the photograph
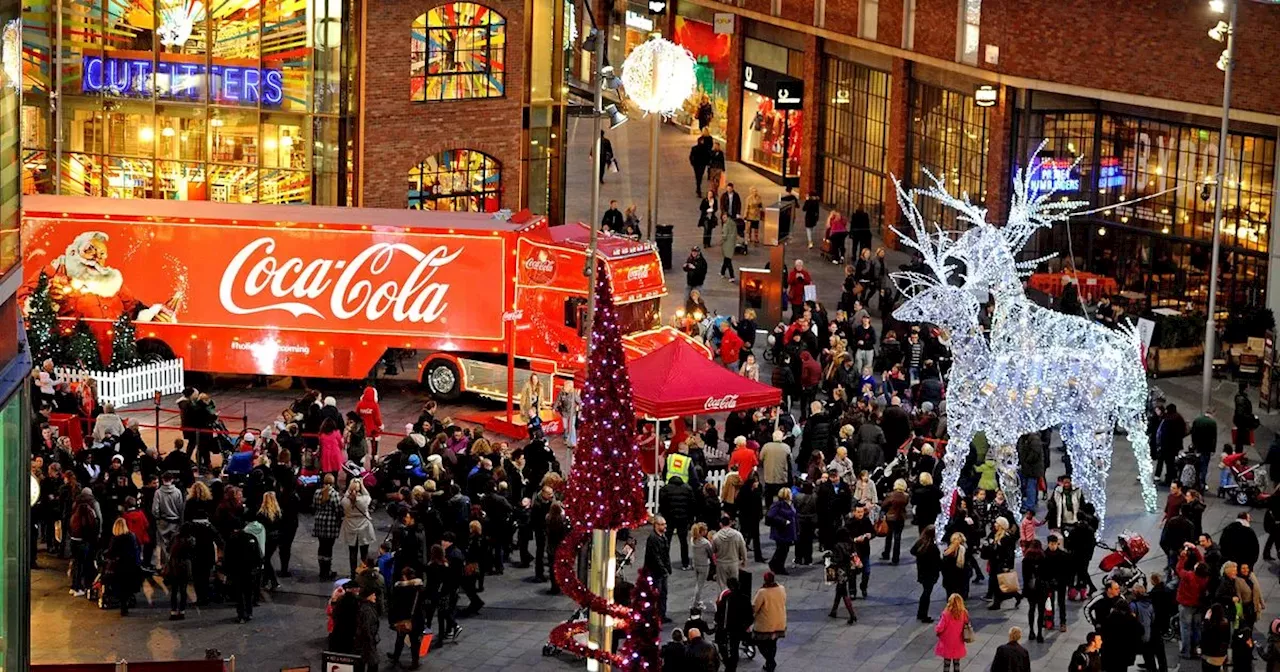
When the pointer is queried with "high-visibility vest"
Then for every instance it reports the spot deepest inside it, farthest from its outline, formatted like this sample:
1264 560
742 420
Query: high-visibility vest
678 465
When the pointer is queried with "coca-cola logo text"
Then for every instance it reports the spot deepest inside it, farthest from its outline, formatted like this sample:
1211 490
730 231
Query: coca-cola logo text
413 298
725 403
636 273
541 265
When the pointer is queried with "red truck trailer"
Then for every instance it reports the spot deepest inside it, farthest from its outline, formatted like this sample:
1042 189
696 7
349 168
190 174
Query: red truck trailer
325 292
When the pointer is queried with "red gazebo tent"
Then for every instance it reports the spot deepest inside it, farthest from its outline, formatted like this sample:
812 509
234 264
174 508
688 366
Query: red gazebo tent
677 380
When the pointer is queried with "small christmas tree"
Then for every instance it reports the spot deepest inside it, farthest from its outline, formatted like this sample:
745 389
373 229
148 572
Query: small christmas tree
42 322
124 346
82 348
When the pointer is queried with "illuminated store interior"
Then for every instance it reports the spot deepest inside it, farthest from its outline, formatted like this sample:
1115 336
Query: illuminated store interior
243 101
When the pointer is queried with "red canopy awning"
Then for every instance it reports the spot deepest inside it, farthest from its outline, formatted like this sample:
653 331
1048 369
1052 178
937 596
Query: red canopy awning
677 380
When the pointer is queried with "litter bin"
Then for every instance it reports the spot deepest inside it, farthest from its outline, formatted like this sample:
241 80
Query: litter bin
664 237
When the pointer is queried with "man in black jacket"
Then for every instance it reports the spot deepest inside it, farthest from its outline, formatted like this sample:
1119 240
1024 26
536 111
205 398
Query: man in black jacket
695 268
1171 433
612 220
1239 543
700 655
730 206
673 652
1011 656
657 562
834 500
1086 657
675 503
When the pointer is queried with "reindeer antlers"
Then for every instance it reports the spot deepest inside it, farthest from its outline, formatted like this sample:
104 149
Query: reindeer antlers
1030 208
937 248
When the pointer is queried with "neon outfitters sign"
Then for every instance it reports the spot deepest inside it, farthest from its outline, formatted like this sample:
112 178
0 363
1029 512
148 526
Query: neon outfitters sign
137 77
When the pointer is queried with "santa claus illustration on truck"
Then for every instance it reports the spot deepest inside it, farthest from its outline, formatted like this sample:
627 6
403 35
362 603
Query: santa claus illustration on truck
83 286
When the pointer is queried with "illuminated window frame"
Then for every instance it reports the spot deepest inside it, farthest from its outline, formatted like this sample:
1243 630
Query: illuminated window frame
458 52
457 180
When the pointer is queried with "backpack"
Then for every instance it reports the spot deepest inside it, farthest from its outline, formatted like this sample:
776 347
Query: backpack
1189 476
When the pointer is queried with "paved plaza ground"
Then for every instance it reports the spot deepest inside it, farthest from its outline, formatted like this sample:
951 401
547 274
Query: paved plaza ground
289 627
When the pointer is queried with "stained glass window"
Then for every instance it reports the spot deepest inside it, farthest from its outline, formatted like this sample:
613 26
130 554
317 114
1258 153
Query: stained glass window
461 180
458 51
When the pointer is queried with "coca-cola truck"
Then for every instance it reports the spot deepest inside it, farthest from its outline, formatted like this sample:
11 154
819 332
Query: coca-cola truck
325 292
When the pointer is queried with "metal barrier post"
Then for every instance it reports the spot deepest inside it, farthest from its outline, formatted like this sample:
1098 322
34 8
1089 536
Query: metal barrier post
122 665
231 664
156 398
244 418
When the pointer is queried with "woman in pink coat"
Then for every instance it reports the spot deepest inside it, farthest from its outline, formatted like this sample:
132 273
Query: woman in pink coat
950 631
331 453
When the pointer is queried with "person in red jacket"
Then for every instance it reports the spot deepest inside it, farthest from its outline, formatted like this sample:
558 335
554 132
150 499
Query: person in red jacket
743 458
730 346
139 525
1193 576
810 380
797 279
369 411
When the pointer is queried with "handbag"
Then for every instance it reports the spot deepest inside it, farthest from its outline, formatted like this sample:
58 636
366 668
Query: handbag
405 626
882 528
1008 582
968 635
471 569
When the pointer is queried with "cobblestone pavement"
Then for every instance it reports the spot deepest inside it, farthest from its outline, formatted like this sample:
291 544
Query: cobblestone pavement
289 627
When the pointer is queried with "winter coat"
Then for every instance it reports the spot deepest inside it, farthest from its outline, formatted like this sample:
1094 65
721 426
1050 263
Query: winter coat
775 462
816 436
770 608
327 523
675 502
894 506
357 523
122 561
729 241
950 631
243 556
177 571
695 270
702 656
928 563
1239 544
796 281
1011 657
332 455
366 637
138 525
782 521
927 500
370 412
1031 456
810 370
408 603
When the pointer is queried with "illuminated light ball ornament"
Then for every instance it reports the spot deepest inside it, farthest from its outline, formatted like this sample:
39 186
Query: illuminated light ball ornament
1037 368
605 491
659 75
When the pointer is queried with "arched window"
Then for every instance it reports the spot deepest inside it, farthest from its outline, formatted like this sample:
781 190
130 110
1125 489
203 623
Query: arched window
460 180
459 51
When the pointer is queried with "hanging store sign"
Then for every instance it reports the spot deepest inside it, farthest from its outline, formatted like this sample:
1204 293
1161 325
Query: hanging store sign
787 92
1057 175
724 23
178 81
639 22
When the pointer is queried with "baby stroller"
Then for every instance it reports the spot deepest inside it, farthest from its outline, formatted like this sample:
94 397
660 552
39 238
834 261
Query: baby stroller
1242 482
1121 564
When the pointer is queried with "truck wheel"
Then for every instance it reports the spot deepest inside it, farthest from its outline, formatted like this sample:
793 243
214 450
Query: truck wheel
442 379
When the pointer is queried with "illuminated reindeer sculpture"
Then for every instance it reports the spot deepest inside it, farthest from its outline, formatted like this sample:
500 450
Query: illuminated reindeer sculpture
1041 368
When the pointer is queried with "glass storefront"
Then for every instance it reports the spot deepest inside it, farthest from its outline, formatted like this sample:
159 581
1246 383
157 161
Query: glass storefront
855 133
15 547
1159 246
949 141
245 101
766 130
711 51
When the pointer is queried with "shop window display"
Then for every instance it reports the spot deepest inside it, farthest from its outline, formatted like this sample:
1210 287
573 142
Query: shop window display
185 100
458 52
1158 249
949 141
461 180
855 129
711 53
765 129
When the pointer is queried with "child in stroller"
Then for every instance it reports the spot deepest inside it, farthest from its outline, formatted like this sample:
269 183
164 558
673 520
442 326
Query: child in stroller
1240 481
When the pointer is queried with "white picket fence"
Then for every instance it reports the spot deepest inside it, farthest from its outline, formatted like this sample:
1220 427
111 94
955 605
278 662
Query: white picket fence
133 384
715 477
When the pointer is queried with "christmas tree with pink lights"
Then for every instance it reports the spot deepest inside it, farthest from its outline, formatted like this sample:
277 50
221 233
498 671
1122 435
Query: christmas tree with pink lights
606 492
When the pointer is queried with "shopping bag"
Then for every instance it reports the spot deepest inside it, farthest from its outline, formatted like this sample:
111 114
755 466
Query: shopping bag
614 167
810 292
969 637
1008 582
425 647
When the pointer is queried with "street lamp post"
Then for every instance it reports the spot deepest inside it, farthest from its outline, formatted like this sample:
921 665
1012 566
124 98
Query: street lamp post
1228 63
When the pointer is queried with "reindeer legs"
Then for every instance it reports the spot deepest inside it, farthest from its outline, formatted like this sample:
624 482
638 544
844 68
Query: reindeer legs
1007 470
956 454
1136 428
